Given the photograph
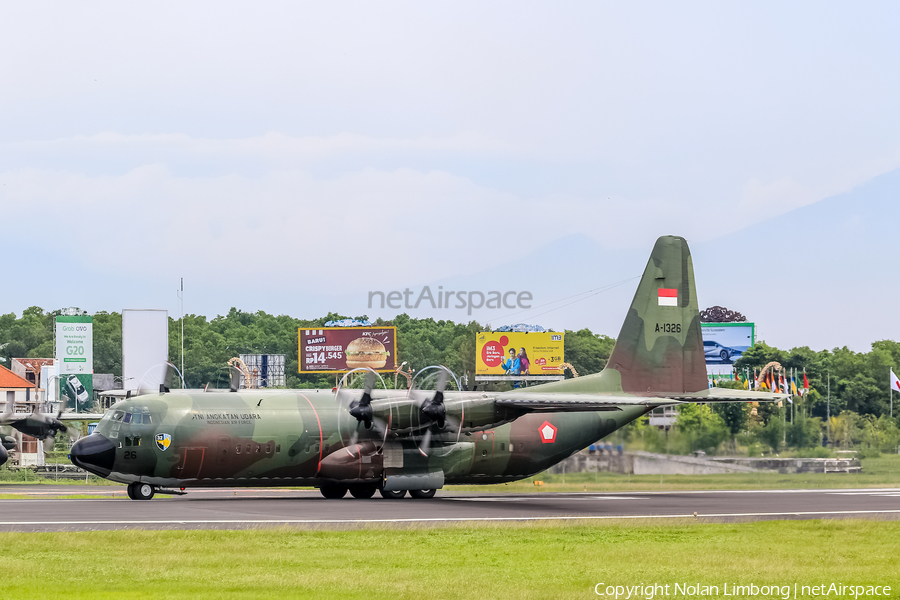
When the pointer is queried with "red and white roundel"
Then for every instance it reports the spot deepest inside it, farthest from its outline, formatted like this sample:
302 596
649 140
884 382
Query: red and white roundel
548 432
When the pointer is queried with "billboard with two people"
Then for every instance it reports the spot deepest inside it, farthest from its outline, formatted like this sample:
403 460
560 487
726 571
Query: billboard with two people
519 353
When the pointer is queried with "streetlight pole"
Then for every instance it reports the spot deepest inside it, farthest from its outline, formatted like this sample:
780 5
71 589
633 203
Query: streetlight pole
828 410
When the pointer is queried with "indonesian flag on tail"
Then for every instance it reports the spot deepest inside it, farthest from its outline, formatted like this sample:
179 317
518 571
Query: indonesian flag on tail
668 297
895 383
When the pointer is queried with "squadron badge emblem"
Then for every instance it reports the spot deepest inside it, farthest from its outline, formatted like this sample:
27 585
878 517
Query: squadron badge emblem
163 440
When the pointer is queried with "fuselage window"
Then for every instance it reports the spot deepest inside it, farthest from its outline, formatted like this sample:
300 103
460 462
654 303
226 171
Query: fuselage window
258 448
307 448
137 440
128 440
277 448
502 446
248 448
510 446
237 449
269 448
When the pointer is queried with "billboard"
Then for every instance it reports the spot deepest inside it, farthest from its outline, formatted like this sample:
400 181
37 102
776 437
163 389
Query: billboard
724 343
517 353
145 348
75 357
339 349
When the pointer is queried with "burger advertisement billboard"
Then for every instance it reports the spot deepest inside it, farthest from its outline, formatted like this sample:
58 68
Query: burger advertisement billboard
340 349
516 353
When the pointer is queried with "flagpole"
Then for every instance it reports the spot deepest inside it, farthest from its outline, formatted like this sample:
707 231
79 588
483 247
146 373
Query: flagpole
828 417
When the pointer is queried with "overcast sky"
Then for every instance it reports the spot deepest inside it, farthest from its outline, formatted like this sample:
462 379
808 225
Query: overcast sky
284 155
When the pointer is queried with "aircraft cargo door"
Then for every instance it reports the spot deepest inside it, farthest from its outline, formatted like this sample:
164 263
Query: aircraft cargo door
190 463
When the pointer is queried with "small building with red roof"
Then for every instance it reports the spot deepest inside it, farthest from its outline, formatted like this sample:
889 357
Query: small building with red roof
16 389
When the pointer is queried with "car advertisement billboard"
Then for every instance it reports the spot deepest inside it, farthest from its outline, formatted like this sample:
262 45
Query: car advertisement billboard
517 353
724 343
75 356
340 349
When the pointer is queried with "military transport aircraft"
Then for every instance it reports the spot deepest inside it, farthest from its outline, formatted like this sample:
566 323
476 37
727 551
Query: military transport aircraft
394 442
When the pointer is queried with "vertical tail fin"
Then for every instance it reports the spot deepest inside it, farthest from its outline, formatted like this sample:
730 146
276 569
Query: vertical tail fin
660 347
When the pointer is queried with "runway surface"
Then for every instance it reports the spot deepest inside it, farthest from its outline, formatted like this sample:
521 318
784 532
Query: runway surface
249 508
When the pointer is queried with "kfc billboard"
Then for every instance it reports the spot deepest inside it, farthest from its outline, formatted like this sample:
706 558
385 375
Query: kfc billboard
340 349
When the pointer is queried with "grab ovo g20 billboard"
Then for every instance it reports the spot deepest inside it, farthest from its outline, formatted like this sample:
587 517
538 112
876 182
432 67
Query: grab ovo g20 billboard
75 353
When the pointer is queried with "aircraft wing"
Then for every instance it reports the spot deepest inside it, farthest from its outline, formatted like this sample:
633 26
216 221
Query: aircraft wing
532 402
575 402
81 416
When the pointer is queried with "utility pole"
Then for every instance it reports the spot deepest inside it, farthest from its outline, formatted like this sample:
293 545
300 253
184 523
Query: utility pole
181 297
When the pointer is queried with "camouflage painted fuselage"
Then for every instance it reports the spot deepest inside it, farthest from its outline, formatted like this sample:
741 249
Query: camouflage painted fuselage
301 437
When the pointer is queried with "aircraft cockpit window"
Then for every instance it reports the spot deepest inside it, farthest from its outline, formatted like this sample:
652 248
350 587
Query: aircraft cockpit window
137 419
108 416
117 416
127 418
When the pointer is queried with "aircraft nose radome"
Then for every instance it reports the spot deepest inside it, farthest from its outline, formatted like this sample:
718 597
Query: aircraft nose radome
95 453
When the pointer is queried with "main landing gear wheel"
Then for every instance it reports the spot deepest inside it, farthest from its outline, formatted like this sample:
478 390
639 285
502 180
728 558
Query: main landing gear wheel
422 494
140 491
363 492
393 495
333 492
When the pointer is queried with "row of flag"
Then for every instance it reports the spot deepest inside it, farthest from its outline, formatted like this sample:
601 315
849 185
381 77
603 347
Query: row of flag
788 385
772 382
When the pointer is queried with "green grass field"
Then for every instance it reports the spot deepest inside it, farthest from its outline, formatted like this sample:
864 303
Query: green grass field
876 472
533 560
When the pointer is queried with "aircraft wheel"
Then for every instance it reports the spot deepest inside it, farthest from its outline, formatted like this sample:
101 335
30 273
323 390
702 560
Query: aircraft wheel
140 491
363 492
393 495
422 494
130 493
333 492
